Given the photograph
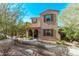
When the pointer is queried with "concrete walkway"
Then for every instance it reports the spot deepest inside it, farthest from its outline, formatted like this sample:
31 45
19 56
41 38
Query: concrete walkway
73 51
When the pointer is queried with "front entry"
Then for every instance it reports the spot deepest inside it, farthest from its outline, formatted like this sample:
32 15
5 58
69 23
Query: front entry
30 33
33 33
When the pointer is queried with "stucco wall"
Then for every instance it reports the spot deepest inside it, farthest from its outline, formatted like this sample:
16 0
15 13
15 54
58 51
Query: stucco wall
52 25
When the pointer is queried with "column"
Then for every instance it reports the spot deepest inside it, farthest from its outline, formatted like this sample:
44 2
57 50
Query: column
27 33
33 33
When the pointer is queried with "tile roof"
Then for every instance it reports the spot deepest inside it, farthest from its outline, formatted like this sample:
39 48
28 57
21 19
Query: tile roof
34 25
49 11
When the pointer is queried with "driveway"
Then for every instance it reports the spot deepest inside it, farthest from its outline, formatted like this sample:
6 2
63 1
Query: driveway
73 51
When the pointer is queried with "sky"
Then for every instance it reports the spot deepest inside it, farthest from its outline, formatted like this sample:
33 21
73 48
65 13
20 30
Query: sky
35 9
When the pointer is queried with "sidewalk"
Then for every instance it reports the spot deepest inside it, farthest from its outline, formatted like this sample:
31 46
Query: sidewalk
73 51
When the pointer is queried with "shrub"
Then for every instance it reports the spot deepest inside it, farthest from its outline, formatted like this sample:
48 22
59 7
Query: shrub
2 37
61 42
30 38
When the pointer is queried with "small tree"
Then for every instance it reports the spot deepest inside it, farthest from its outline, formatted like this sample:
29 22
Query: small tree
10 16
70 20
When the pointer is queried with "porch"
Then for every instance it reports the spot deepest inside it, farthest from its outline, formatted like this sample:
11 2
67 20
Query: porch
33 33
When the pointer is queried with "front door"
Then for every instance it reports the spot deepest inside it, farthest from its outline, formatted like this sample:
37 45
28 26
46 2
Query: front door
35 33
30 33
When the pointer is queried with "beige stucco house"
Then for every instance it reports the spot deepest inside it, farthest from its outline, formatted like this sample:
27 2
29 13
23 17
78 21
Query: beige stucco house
45 26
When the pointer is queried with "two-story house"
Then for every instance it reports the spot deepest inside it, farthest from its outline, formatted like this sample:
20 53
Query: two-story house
45 26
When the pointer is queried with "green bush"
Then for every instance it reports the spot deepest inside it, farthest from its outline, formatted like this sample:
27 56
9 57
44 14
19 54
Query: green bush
2 37
70 34
60 42
30 38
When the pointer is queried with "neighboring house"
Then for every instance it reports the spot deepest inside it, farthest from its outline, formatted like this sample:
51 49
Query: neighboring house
45 26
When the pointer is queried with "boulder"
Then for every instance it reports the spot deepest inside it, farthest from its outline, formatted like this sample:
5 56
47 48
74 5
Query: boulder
5 46
58 50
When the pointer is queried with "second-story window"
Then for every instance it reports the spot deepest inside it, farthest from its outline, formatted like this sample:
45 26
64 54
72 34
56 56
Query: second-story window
34 21
48 18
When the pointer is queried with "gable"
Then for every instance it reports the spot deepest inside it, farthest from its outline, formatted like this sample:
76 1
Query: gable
49 12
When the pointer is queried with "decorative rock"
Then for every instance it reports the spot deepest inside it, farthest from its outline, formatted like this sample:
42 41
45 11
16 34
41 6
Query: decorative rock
75 43
29 51
5 46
